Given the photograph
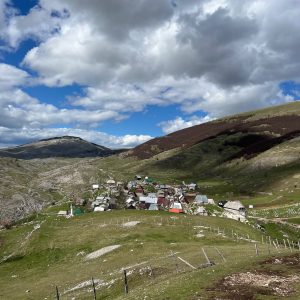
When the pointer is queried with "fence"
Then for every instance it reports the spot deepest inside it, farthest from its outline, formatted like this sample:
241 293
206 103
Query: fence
144 273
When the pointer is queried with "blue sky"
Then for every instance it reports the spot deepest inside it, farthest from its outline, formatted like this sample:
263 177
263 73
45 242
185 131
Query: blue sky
119 73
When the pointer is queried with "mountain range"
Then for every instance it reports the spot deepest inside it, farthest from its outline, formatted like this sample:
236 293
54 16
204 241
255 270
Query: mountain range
238 156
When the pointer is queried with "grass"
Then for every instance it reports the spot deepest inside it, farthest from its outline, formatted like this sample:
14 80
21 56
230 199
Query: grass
50 256
293 220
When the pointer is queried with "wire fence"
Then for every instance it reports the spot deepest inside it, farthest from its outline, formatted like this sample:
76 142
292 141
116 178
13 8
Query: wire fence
143 273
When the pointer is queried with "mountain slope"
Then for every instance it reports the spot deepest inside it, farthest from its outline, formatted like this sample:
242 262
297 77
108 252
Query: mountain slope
239 156
264 129
66 146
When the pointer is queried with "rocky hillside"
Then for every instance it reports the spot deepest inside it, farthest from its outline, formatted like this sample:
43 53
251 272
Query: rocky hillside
66 146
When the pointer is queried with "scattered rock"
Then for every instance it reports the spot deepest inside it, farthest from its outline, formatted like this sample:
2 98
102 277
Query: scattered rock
200 235
102 251
131 224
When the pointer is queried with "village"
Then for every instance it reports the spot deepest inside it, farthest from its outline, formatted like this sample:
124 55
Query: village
143 193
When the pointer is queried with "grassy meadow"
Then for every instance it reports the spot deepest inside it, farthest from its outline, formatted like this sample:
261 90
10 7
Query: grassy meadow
38 259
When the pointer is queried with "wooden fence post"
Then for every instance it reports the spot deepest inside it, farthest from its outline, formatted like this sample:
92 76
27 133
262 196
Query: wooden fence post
207 259
256 250
284 243
174 258
125 282
57 293
219 252
151 272
187 263
290 245
94 289
275 246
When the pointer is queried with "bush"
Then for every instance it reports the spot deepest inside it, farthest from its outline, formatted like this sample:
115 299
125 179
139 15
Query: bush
6 223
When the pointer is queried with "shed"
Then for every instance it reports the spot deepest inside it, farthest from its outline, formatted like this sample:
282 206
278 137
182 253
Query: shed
151 198
201 211
235 207
62 213
176 207
153 207
201 199
192 186
99 208
110 182
190 197
95 186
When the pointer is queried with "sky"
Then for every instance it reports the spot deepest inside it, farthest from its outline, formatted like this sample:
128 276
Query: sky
120 72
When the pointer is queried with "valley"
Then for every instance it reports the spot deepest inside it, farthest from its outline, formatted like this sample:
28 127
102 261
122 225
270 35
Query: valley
165 255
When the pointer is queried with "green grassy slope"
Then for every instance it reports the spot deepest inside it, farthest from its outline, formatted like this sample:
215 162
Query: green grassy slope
54 255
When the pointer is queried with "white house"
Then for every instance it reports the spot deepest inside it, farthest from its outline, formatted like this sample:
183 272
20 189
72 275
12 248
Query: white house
150 198
95 186
235 207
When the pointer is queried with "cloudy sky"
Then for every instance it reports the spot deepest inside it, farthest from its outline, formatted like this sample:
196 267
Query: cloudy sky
118 72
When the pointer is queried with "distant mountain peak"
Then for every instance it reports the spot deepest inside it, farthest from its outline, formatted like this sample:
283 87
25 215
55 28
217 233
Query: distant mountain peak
64 146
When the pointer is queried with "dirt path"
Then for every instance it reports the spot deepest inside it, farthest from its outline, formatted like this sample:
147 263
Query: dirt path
276 220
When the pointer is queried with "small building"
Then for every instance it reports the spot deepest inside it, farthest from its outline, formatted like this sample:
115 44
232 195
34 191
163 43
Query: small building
192 186
95 186
62 213
153 206
190 197
163 202
139 191
176 207
151 198
80 202
111 182
99 208
201 199
130 203
235 207
101 201
211 201
160 193
148 180
201 211
112 203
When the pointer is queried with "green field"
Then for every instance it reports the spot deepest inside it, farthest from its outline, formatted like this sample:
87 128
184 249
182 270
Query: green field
53 255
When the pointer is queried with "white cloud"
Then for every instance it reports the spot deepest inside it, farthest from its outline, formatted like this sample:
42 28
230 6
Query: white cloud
12 137
236 48
11 76
179 123
215 56
38 24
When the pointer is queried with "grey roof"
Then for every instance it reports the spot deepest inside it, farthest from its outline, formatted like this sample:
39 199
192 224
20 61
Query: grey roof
235 205
153 207
201 199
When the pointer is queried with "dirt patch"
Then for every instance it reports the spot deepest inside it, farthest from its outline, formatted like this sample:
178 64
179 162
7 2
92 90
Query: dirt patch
290 261
248 285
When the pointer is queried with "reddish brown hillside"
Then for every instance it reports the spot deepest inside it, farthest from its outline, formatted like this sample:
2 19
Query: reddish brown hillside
271 127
